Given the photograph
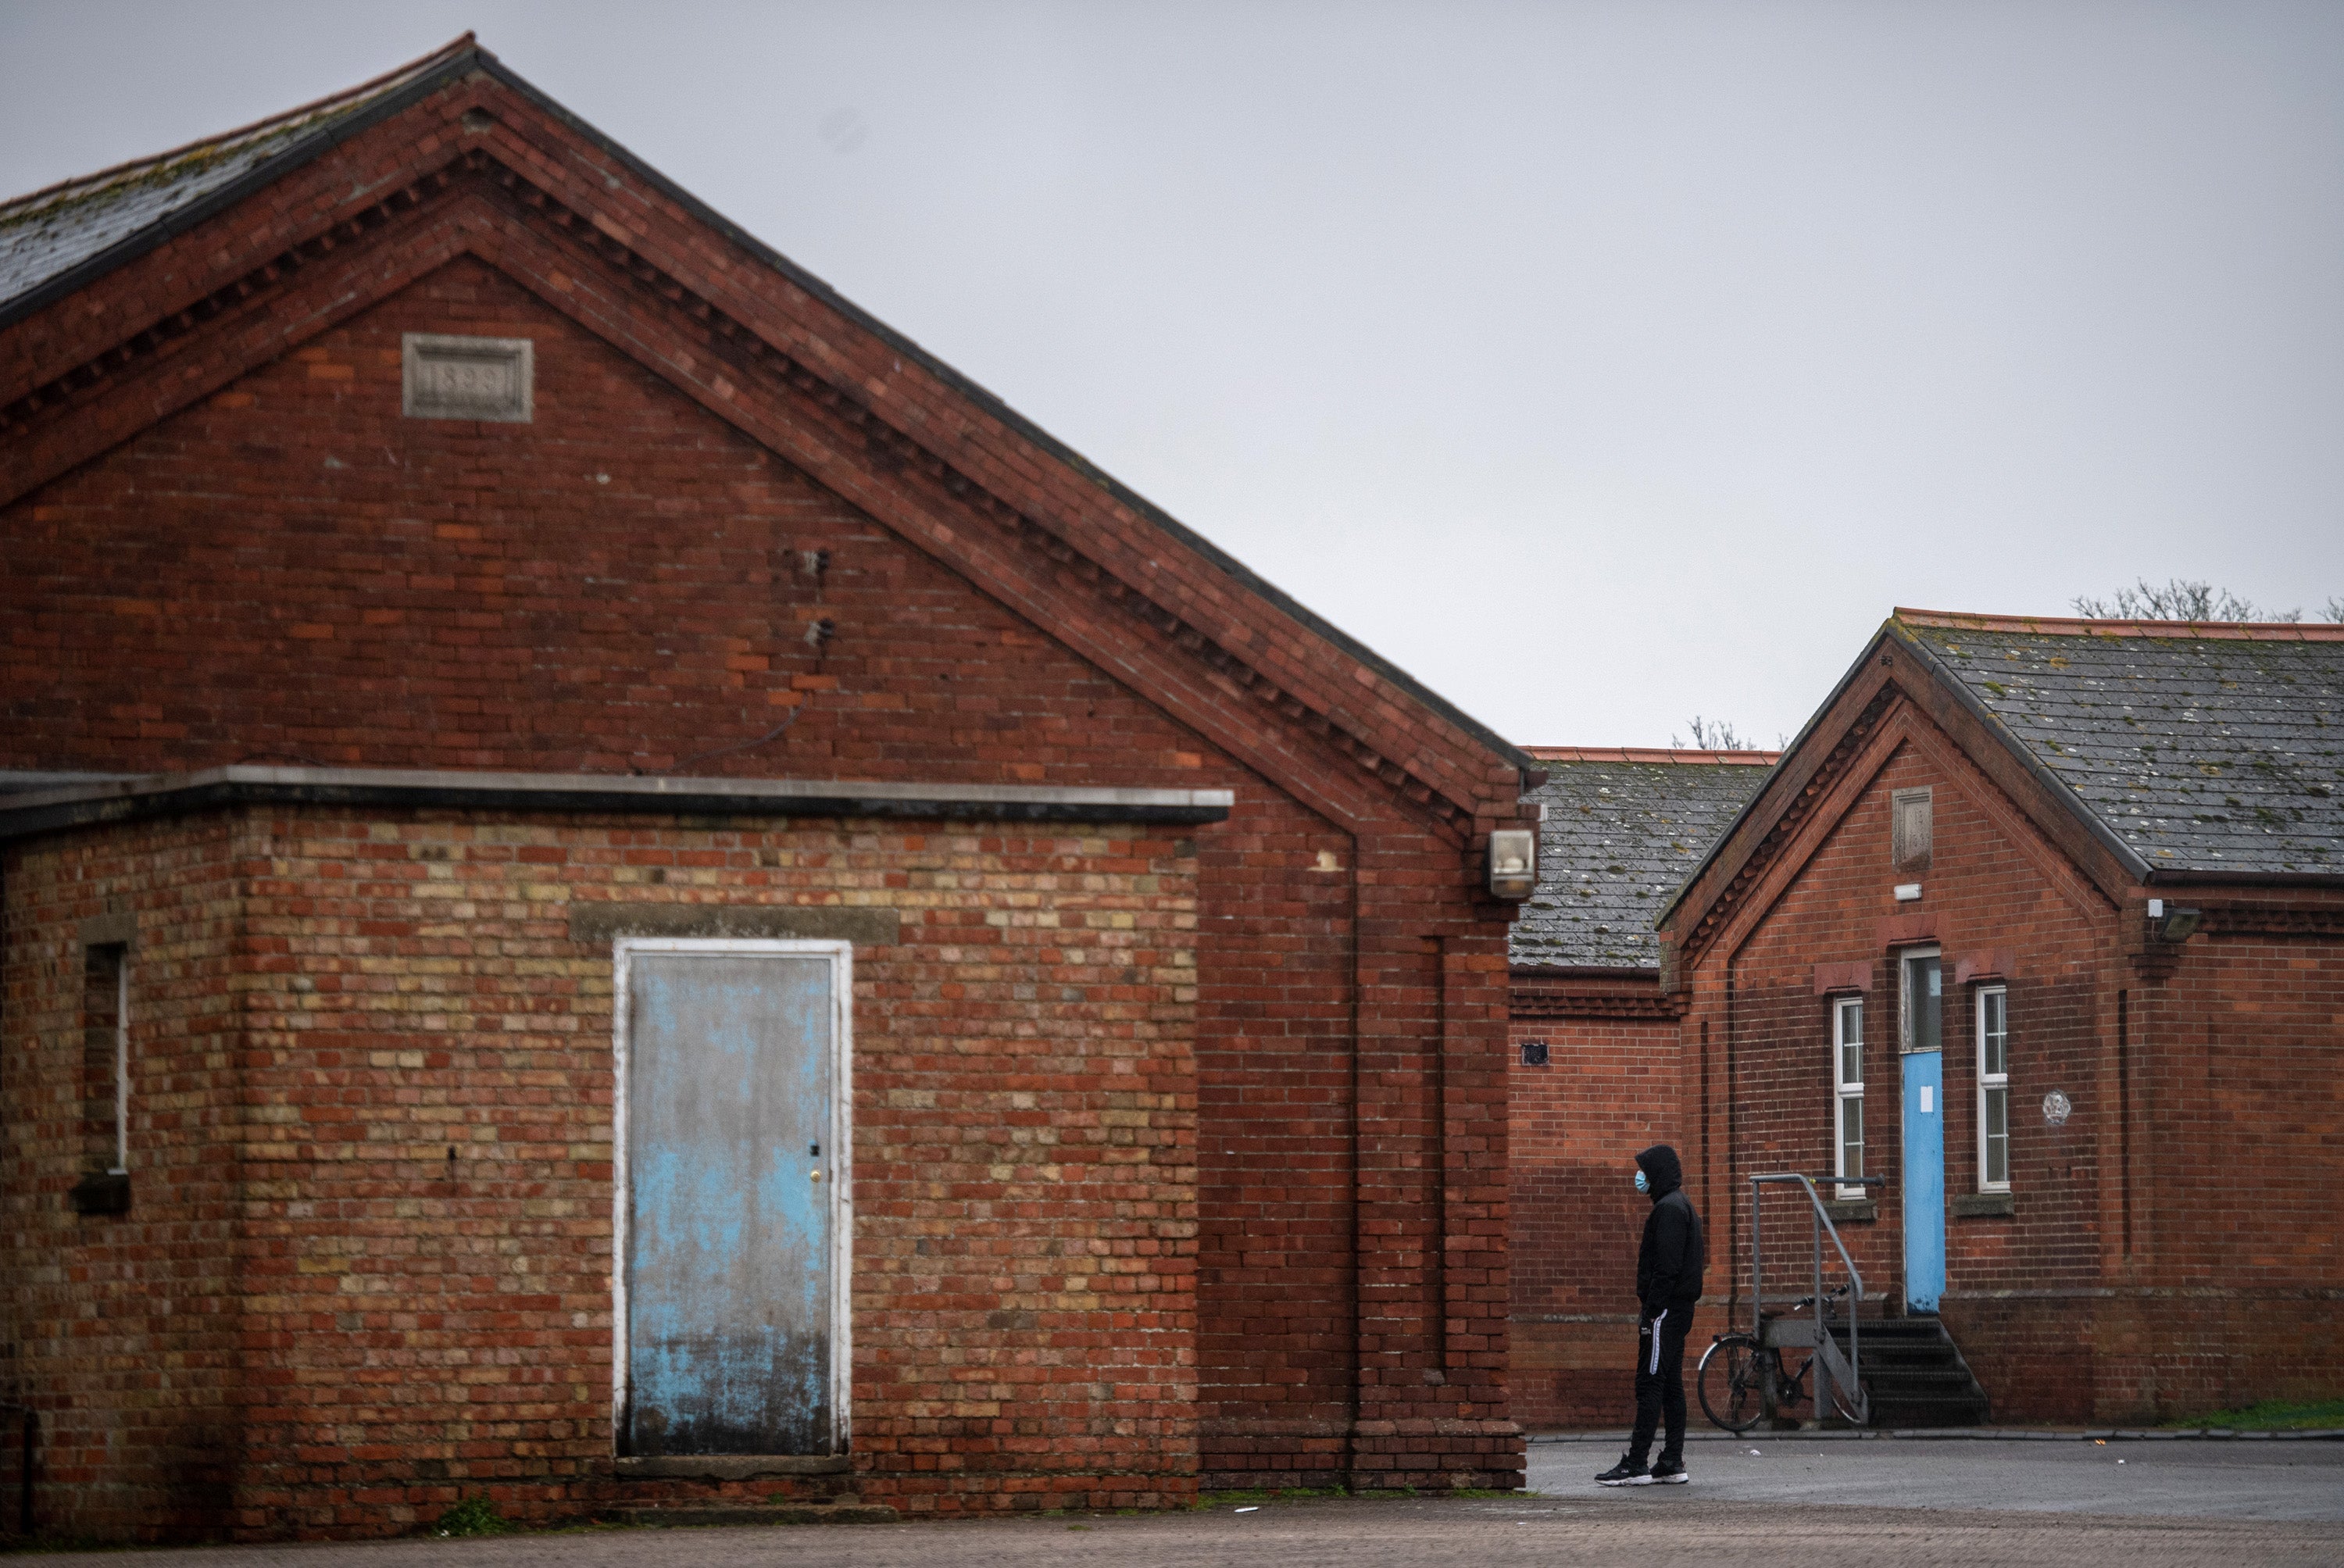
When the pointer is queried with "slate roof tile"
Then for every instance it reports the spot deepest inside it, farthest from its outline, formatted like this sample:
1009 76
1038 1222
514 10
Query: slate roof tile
1623 829
47 233
2202 746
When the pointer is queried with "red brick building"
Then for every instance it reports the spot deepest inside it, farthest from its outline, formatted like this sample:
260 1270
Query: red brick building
457 584
1599 1062
2044 921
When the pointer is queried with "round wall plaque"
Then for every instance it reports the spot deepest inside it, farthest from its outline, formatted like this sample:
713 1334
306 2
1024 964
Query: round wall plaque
2055 1106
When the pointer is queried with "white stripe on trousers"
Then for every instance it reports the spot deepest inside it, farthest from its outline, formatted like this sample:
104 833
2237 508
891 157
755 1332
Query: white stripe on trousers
1655 1367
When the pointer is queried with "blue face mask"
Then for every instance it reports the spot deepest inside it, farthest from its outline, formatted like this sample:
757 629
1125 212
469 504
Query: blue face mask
1643 1182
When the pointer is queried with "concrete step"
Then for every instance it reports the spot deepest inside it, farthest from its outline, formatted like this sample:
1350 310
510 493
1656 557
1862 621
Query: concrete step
1914 1376
674 1515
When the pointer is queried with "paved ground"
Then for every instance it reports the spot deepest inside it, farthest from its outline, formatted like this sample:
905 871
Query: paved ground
1811 1504
2200 1478
1642 1530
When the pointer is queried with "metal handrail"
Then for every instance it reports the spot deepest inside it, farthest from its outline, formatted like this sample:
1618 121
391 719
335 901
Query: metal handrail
1822 1226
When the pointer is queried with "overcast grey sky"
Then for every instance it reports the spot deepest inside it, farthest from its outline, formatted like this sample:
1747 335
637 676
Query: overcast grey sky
1601 364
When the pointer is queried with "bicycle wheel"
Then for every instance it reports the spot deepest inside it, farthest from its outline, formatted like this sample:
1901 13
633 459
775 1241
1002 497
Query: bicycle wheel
1728 1382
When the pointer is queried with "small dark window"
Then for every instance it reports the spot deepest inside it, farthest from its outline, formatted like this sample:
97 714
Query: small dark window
105 1056
1533 1053
1909 828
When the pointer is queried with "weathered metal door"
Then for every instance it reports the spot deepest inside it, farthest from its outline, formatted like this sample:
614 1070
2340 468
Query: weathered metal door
732 1223
1924 1062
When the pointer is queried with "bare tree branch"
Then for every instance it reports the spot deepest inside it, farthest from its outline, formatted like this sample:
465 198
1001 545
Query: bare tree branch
1714 736
2181 600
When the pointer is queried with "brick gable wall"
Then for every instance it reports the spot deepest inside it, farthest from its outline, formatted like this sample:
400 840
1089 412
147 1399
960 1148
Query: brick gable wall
1980 894
2166 1253
289 570
618 584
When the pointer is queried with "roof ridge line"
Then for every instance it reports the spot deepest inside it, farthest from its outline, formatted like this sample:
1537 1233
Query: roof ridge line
99 179
2086 626
1693 754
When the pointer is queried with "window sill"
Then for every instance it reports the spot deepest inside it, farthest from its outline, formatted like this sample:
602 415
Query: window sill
1844 1210
1984 1205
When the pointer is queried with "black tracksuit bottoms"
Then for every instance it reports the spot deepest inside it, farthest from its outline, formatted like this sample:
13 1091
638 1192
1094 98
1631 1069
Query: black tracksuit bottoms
1659 1382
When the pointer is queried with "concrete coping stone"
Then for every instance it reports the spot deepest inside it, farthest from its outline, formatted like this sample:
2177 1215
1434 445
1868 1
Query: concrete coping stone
24 813
731 1466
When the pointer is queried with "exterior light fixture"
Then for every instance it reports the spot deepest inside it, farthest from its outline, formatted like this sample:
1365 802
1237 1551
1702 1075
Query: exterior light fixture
1907 892
2173 924
1513 863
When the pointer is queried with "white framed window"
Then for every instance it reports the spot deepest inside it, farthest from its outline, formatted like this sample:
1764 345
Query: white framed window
1922 994
1847 1088
1993 1088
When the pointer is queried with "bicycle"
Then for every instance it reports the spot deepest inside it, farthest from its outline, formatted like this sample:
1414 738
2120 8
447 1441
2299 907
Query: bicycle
1743 1381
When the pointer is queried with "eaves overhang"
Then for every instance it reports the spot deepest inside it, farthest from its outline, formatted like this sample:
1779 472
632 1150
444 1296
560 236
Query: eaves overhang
23 814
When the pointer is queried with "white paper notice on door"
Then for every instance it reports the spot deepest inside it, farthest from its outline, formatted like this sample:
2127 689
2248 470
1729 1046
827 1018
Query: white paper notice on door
1928 1100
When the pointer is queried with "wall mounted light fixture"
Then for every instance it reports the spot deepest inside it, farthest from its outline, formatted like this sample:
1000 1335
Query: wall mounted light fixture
1513 862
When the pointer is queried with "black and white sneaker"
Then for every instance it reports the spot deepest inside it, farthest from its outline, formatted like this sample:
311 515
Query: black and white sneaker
1671 1472
1627 1472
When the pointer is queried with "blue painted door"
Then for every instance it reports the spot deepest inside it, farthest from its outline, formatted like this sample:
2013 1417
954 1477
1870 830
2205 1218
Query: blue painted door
1924 1060
729 1298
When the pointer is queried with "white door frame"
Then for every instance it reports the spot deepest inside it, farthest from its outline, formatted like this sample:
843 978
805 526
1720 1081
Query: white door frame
838 1172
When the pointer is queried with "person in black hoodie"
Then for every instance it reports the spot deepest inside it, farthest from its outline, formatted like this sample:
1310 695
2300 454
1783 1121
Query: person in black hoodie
1668 1284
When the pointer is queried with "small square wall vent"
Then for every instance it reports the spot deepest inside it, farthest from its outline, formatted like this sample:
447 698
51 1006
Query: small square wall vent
449 378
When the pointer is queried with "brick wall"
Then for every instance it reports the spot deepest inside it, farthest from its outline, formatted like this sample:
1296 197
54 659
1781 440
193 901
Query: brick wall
289 571
1610 1088
2181 1192
400 1326
139 1313
1983 893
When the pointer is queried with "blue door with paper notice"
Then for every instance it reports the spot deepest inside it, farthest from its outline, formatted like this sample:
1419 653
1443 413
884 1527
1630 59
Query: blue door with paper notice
1922 1006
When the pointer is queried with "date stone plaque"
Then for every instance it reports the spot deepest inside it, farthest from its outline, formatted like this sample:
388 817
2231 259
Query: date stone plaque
451 378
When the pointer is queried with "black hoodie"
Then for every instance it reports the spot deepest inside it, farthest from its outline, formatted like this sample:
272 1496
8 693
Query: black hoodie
1668 1265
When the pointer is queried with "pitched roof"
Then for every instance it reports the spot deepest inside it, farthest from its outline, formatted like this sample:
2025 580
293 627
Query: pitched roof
1623 828
75 232
54 239
2202 747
